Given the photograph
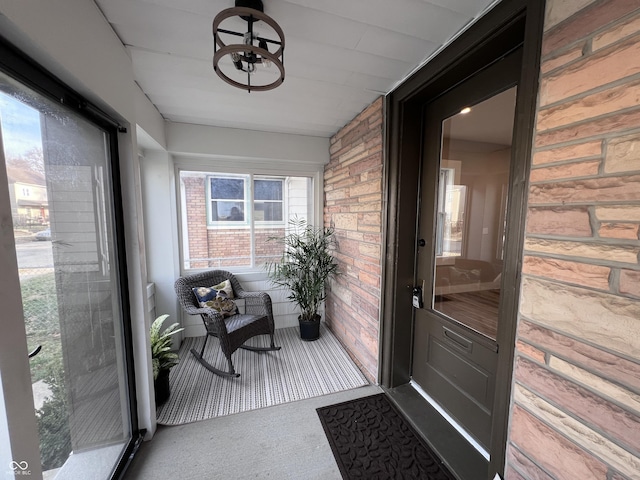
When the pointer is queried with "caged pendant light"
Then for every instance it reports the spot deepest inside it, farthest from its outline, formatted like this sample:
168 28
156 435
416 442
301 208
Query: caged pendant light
240 64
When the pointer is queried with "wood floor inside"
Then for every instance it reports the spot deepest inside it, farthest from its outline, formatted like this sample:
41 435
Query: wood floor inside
477 310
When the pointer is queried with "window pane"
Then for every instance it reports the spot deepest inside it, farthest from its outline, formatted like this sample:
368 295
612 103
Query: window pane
268 211
450 219
224 239
298 192
227 211
59 171
471 220
267 189
268 197
227 188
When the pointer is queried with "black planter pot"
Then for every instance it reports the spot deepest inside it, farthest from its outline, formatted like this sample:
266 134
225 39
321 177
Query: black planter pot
161 386
309 330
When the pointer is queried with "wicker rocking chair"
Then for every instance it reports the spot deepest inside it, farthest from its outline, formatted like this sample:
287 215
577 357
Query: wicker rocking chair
232 331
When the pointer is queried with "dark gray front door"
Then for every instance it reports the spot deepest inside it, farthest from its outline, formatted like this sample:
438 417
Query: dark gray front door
460 254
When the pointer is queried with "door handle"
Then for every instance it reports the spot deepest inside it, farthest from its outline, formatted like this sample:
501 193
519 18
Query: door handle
457 339
35 351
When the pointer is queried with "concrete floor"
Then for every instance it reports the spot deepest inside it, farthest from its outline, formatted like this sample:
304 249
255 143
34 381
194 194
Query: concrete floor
281 442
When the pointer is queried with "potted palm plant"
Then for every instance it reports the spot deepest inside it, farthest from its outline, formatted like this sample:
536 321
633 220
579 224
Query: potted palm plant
304 268
162 357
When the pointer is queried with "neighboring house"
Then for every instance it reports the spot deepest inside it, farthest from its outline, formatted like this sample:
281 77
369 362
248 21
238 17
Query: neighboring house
572 378
28 195
30 203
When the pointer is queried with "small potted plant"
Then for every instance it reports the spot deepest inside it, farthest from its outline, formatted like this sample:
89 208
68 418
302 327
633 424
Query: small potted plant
162 358
305 267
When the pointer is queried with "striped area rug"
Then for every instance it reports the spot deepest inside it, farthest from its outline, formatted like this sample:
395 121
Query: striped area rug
299 370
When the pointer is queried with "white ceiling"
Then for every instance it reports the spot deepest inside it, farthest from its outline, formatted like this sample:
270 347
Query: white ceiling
489 122
339 56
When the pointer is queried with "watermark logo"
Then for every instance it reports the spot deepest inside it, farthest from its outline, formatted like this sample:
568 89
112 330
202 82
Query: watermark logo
20 468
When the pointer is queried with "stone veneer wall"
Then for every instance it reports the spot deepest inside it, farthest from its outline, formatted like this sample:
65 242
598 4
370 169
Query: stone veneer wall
576 397
353 205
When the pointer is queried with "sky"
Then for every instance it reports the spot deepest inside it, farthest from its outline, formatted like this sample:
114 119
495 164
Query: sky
20 127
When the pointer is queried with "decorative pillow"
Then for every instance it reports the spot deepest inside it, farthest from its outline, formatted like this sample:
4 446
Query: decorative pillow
204 295
226 288
209 297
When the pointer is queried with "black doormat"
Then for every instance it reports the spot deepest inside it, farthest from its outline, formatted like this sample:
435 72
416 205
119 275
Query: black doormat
371 440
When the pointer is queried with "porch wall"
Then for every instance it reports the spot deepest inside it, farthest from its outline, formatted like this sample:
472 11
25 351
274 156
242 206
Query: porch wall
353 205
576 404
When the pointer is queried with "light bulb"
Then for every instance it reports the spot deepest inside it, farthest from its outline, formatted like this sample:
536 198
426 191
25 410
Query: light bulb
265 61
235 58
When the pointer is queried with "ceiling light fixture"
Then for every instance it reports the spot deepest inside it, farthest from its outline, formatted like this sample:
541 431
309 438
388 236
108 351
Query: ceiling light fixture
465 110
251 53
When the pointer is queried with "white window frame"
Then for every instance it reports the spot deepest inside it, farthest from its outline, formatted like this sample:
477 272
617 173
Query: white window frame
243 166
245 200
283 202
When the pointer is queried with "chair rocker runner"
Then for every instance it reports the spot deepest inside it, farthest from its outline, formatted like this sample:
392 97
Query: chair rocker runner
232 331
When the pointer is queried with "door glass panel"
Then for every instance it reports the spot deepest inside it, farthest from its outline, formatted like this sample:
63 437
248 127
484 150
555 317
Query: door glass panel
58 169
471 212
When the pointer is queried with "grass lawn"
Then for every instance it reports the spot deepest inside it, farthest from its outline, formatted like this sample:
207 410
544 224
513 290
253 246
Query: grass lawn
40 306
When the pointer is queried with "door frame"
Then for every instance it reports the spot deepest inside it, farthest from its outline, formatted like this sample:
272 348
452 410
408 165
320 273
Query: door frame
508 25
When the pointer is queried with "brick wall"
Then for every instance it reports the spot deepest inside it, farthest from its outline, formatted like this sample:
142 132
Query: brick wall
353 205
195 199
232 247
576 398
